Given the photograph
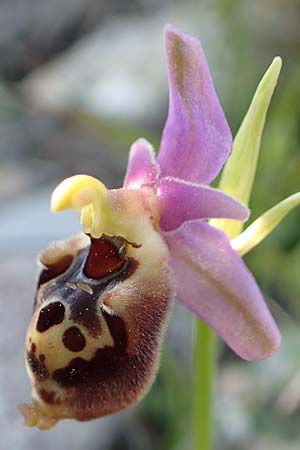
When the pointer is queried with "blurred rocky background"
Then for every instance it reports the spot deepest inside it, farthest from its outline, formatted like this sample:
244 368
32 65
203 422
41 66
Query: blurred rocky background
80 80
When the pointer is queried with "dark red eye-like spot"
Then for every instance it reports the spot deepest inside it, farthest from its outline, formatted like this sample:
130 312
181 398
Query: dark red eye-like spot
103 259
55 269
74 340
50 315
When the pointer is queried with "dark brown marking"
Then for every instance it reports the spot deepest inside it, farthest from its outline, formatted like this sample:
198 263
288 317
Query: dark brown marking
117 330
33 347
73 339
36 365
48 396
134 244
84 307
103 259
42 357
104 363
50 315
55 269
116 376
84 312
131 266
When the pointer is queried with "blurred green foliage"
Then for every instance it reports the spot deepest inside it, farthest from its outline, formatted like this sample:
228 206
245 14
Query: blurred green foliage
276 261
167 421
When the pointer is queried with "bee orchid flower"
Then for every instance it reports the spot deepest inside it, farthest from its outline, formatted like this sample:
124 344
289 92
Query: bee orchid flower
104 297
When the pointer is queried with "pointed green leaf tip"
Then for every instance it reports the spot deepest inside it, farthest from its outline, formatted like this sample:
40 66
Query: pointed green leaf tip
262 226
239 172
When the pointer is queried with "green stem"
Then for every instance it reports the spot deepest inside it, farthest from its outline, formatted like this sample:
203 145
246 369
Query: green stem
204 363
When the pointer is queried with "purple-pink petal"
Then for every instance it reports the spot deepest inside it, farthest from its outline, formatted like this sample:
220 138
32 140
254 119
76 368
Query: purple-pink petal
214 282
196 139
180 201
142 168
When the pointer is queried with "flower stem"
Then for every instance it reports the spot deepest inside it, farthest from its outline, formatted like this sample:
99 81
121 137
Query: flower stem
204 367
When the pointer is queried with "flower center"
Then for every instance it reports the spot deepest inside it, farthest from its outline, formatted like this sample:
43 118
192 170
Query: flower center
118 212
